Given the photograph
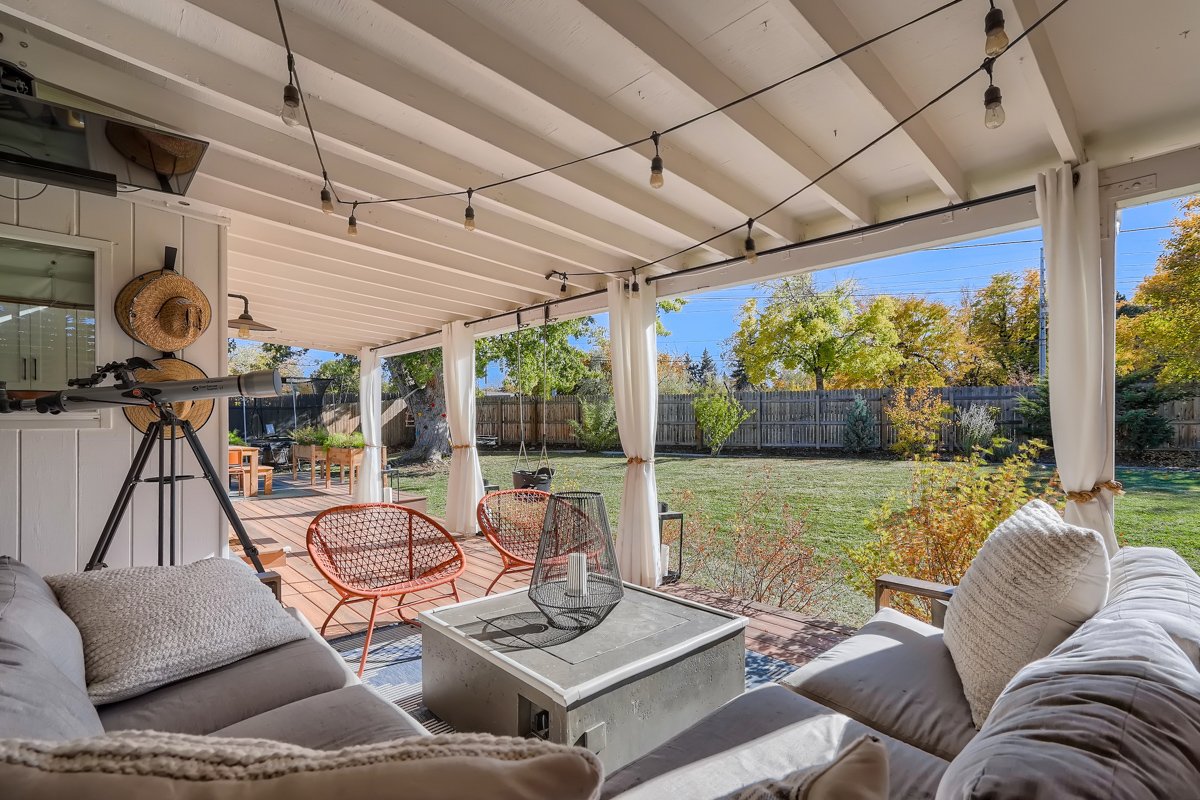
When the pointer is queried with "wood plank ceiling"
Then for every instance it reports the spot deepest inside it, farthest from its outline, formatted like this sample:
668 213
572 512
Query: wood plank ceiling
412 98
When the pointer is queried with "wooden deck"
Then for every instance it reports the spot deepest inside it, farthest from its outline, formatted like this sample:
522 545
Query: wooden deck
281 521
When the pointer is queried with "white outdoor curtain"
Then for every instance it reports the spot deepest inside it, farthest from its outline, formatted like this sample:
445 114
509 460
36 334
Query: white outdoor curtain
631 319
1081 305
369 486
466 479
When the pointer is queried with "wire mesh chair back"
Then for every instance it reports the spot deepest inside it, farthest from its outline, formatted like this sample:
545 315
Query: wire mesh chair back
377 548
512 521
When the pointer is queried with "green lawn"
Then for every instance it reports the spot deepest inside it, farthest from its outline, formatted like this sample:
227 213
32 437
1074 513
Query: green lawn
1161 508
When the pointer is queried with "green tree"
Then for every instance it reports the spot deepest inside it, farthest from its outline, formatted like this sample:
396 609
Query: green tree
828 335
1165 337
342 371
598 429
253 356
718 413
861 432
550 360
1001 324
706 370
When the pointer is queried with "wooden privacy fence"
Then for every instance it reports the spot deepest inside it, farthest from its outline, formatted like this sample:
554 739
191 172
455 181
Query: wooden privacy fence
336 413
800 420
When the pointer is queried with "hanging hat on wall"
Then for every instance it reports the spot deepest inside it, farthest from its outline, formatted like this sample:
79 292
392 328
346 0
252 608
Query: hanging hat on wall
196 412
163 309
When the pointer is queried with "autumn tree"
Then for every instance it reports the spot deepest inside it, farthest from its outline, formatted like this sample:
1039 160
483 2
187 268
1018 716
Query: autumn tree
930 342
1164 336
826 334
1001 326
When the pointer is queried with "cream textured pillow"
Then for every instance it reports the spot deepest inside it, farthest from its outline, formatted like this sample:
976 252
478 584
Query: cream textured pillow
859 772
144 765
1035 580
145 627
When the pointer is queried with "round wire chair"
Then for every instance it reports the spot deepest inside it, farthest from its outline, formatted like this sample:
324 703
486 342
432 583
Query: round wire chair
512 521
369 551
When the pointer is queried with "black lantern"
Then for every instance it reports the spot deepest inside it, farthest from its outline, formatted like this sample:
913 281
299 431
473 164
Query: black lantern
575 581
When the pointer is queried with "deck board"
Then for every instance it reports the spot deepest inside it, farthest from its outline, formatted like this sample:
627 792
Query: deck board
282 522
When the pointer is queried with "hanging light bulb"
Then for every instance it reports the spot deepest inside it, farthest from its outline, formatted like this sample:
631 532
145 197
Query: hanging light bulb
635 288
749 250
326 200
993 114
291 105
352 223
563 286
469 214
656 165
993 28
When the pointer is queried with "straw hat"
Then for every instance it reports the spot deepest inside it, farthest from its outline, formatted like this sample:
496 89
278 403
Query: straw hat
164 153
196 412
163 310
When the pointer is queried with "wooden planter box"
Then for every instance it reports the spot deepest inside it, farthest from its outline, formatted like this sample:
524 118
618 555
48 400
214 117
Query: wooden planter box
313 454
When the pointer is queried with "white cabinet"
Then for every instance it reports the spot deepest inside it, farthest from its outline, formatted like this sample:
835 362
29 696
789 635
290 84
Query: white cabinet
42 347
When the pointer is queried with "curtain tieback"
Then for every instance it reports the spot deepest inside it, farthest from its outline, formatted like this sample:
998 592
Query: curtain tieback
1088 495
638 460
461 446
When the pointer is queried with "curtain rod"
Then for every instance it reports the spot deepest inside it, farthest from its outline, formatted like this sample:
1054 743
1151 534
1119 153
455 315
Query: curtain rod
833 237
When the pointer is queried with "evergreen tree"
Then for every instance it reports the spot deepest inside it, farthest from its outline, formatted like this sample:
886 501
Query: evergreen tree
706 370
861 432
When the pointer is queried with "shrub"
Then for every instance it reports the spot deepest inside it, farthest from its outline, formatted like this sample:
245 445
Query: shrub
933 530
718 413
977 428
309 434
353 440
235 438
861 433
596 429
917 415
762 554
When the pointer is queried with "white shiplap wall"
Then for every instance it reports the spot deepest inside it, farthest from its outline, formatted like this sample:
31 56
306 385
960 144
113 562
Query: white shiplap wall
57 486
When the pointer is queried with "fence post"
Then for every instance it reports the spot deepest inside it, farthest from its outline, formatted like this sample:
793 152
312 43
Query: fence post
819 429
759 395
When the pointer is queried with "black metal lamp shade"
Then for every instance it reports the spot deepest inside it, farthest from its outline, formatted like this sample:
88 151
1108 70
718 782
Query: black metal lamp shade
576 581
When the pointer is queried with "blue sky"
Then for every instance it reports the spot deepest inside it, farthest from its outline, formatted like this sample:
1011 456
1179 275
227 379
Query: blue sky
941 273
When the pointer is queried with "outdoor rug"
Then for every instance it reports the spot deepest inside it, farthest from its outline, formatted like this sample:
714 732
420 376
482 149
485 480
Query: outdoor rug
394 668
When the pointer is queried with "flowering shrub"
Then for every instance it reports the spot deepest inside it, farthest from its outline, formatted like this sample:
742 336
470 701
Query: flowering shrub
761 554
933 530
917 415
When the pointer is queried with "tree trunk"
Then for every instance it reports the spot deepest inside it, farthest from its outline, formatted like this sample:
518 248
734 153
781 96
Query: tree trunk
819 377
428 407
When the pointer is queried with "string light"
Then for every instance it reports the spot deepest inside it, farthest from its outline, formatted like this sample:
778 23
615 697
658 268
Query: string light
291 96
635 288
469 214
993 27
993 113
656 165
326 200
352 223
749 250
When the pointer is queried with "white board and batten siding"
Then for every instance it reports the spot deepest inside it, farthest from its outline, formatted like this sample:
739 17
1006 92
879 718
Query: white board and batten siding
58 485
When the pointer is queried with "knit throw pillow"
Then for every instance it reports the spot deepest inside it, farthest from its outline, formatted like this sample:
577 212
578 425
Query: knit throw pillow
859 772
143 765
145 627
1035 580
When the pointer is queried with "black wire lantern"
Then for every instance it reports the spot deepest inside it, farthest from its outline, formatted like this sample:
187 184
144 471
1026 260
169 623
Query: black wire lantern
576 581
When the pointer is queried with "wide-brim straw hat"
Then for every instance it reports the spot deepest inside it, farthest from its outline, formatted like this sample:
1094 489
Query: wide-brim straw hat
163 310
196 412
163 153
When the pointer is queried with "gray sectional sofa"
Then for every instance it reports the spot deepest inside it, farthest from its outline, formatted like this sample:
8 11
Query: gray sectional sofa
1113 712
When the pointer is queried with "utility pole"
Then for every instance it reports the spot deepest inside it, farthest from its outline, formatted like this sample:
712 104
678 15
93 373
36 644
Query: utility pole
1042 313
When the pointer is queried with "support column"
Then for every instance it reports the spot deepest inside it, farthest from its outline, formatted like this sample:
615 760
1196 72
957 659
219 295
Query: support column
368 488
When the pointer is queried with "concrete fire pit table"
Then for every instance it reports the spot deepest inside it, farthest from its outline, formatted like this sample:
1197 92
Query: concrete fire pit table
654 666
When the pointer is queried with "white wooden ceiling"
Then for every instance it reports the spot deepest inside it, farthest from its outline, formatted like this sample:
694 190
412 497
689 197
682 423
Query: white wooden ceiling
415 96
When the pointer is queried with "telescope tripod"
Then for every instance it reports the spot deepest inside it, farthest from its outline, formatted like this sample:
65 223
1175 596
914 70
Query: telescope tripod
167 420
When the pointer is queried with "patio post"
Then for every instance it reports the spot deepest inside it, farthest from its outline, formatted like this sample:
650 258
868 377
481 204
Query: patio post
465 488
631 318
369 486
1080 288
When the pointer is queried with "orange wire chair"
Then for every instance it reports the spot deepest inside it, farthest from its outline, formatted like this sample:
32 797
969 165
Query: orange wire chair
512 522
369 551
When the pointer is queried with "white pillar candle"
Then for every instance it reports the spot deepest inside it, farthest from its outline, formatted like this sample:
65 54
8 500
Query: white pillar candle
664 555
576 574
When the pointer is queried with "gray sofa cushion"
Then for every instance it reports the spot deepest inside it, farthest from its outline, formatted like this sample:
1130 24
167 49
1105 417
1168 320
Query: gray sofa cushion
37 701
30 613
342 718
1112 712
1156 584
765 733
237 691
896 676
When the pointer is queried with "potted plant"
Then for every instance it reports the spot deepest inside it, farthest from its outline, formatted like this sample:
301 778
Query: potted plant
343 450
308 443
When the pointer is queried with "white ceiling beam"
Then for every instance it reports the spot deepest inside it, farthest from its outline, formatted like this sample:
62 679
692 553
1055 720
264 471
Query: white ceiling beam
827 30
686 66
479 43
1045 81
318 45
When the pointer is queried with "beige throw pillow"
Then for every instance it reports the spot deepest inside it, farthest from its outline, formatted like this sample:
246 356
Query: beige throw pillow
145 627
860 772
1035 580
144 765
